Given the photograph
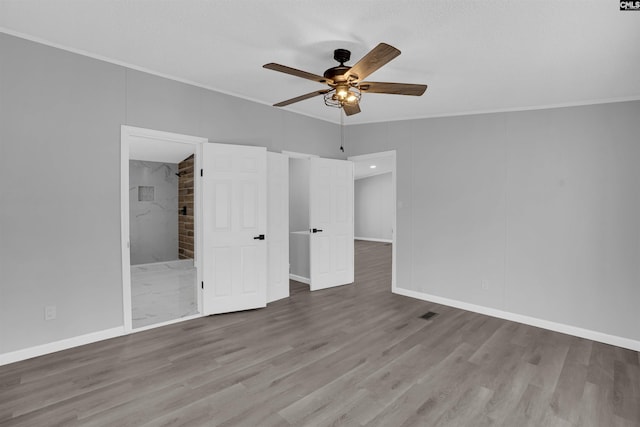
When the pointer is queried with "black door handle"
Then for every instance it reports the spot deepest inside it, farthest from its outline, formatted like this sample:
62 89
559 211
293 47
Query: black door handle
260 237
316 230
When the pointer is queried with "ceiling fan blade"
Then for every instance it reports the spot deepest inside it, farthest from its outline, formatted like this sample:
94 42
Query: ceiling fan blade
301 98
393 88
351 109
376 58
296 72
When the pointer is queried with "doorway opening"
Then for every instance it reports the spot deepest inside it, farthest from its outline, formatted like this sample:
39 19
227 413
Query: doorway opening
321 221
375 207
160 221
299 235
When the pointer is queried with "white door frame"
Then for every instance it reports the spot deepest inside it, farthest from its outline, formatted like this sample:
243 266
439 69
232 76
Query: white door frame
277 226
296 155
299 156
127 134
391 153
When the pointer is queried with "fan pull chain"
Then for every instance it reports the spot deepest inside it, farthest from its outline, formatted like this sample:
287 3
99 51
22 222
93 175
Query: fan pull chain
341 130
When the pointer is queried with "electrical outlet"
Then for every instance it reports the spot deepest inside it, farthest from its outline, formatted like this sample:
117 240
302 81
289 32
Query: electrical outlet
484 284
50 312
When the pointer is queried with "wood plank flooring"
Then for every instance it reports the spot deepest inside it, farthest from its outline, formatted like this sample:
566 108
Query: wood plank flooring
349 356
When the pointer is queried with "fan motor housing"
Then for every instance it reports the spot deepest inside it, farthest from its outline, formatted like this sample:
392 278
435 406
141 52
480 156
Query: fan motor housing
337 73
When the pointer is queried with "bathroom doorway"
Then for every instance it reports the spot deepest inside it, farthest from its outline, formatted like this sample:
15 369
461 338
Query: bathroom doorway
160 210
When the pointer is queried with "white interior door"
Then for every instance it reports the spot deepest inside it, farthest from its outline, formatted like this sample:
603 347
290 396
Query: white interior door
234 217
277 226
331 222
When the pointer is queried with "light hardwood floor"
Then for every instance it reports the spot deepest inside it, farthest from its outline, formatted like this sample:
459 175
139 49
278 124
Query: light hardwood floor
354 355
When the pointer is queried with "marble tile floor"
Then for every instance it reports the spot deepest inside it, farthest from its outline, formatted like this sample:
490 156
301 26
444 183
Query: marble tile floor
163 291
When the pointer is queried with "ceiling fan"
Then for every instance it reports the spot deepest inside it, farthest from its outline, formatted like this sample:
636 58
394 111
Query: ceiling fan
346 84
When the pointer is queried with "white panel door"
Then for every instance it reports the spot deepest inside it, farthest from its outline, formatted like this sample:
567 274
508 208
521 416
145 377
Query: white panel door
234 223
277 226
331 222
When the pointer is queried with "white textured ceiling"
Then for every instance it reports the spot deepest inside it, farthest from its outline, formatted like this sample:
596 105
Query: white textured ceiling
476 56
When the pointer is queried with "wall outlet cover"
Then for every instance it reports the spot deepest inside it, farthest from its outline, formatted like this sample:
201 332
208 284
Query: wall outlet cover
50 312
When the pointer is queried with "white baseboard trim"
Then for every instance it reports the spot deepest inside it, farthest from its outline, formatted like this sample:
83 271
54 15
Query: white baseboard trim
52 347
373 239
527 320
300 279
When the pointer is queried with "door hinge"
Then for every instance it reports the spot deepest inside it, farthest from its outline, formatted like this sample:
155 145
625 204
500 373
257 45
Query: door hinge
201 173
202 285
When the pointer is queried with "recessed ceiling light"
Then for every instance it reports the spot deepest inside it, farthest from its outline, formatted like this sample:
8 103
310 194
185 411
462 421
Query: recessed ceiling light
372 166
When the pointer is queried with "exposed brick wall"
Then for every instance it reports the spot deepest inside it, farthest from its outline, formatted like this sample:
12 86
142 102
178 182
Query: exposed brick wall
185 198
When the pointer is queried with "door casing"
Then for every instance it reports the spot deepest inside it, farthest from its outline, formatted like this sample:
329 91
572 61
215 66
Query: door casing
277 226
127 135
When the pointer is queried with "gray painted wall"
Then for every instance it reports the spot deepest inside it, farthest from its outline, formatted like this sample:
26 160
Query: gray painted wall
373 207
299 170
544 205
153 225
60 118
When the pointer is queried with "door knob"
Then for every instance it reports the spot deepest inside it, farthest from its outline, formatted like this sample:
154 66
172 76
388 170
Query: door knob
316 230
260 237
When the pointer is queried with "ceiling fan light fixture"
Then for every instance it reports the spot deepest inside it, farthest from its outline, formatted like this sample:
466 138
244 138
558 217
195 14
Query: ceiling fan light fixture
346 82
342 92
341 95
